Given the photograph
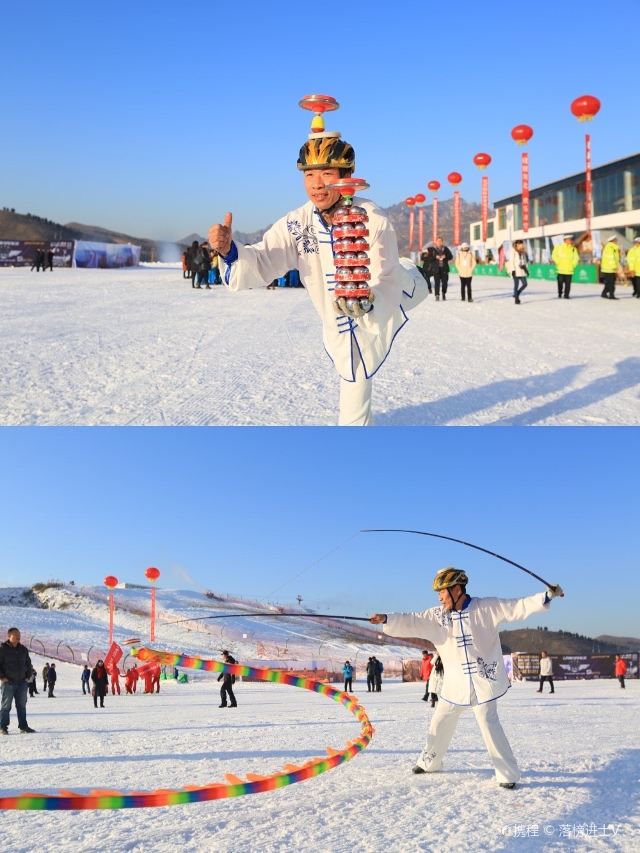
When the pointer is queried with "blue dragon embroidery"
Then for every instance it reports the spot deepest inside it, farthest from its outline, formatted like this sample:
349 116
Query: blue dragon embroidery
443 617
305 238
487 670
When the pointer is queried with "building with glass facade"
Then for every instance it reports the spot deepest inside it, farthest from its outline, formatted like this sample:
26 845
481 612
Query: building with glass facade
559 208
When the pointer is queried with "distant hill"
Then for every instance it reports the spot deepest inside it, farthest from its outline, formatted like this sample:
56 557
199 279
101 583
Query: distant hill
29 226
624 644
534 640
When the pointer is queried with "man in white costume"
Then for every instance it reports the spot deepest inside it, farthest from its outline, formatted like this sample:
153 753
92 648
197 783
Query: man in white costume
357 341
464 630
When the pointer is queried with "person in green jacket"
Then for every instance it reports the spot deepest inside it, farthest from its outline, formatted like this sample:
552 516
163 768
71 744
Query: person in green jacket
566 258
633 265
610 267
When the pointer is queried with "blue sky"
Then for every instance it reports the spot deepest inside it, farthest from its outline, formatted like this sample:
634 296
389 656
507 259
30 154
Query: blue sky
155 118
274 513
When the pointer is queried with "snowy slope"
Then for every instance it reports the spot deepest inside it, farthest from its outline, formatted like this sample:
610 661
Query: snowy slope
579 751
78 618
141 346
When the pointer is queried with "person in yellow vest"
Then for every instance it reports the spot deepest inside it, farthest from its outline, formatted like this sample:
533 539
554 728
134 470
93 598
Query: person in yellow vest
633 265
566 258
610 267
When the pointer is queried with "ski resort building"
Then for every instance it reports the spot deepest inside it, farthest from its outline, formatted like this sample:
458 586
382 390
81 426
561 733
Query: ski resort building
558 208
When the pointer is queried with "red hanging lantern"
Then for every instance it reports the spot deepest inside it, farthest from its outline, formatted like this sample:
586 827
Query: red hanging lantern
410 201
585 107
420 198
152 574
522 133
434 186
454 178
111 582
482 160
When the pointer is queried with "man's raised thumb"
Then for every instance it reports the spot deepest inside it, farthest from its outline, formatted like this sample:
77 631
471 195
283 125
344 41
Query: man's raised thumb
227 220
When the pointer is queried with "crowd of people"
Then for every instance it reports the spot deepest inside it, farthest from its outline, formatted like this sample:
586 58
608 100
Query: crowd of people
43 260
436 257
201 266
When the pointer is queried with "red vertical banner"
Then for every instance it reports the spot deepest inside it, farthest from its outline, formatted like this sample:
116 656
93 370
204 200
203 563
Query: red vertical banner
111 609
435 219
420 228
456 217
588 187
411 227
485 206
525 191
153 613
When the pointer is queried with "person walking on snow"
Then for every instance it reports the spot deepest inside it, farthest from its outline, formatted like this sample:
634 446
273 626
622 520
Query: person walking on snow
464 631
45 672
15 669
347 671
371 675
566 258
436 680
546 672
85 677
465 264
633 266
517 265
621 670
52 677
100 679
426 665
228 681
357 339
114 672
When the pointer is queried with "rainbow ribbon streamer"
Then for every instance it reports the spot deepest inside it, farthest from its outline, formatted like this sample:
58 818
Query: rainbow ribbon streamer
234 785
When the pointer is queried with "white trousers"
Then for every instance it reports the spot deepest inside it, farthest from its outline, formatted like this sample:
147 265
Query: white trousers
355 400
443 724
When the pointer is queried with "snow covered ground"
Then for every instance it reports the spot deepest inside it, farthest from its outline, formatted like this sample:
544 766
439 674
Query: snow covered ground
579 751
140 346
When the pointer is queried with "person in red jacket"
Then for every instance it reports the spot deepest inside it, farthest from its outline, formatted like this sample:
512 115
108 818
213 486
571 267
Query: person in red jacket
155 678
426 665
114 672
621 670
148 681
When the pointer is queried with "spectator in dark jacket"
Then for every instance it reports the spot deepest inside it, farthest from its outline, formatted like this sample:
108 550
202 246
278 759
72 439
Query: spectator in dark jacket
228 681
100 679
371 675
85 678
15 669
441 278
429 268
193 268
379 671
33 687
52 677
45 672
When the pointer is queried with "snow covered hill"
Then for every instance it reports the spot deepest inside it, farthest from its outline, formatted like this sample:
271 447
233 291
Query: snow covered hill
76 619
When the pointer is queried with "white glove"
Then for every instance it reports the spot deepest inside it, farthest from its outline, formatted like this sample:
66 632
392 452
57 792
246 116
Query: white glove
555 591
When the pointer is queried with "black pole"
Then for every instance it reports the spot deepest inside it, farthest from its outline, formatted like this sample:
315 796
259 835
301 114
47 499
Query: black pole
469 545
270 615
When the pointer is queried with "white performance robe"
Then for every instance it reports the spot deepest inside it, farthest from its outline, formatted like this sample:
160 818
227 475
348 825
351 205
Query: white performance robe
300 240
468 643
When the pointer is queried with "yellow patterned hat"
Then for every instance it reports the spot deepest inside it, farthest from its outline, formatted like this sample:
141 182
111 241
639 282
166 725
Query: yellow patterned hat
324 149
448 577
